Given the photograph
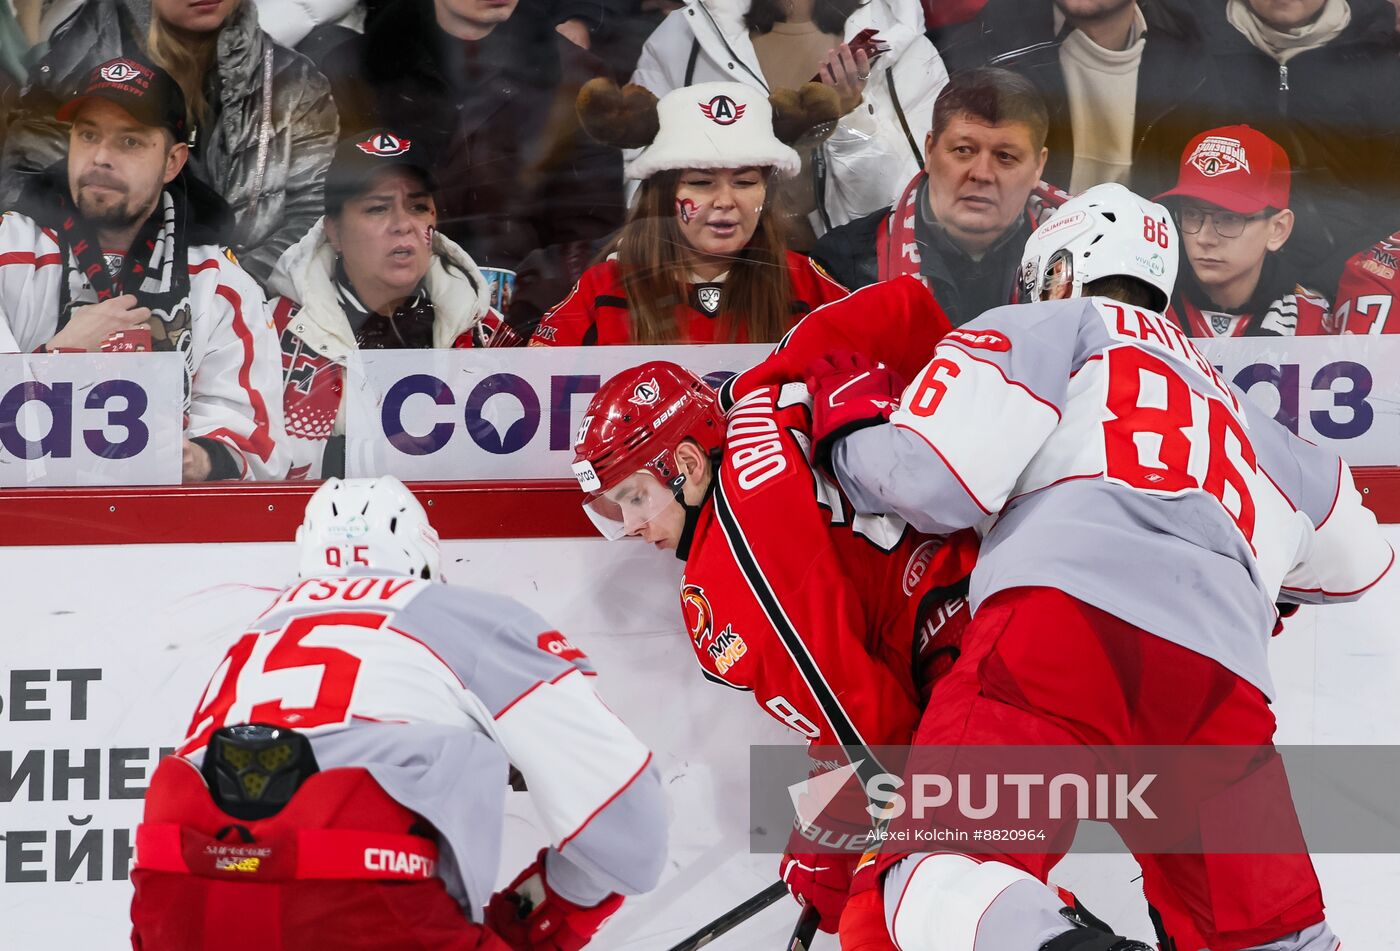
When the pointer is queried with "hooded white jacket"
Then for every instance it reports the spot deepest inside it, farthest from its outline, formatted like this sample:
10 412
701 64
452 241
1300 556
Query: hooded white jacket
870 157
232 394
318 343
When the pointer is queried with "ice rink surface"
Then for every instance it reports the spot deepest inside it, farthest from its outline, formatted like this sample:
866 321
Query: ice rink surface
163 615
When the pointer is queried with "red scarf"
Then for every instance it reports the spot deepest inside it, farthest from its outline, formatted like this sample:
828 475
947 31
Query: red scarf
896 247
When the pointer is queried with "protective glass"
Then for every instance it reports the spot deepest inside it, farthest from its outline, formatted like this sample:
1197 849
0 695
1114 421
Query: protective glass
1227 224
625 508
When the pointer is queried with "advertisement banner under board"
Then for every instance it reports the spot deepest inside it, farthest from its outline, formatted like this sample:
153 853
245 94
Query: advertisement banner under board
493 414
91 419
512 414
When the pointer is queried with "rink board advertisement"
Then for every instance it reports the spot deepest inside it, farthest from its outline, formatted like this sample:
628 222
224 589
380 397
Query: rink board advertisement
512 414
91 418
493 414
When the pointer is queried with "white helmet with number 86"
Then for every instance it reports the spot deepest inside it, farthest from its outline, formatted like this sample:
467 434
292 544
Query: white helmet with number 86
367 524
1106 231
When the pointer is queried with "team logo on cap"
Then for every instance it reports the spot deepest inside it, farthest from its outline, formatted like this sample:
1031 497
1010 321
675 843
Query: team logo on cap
120 71
1219 155
722 110
384 145
645 393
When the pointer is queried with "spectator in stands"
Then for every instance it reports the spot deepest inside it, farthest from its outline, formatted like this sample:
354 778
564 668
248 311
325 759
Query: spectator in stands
1124 82
780 44
962 223
490 95
116 249
1319 77
373 274
1231 206
262 125
1368 297
702 257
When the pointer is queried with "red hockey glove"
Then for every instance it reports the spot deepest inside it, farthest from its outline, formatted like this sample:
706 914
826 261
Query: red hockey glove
849 392
530 916
822 880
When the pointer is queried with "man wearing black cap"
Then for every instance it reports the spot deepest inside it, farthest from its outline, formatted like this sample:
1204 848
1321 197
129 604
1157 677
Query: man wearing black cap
116 249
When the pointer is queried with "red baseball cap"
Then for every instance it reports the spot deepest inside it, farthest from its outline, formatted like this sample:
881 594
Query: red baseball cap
1237 168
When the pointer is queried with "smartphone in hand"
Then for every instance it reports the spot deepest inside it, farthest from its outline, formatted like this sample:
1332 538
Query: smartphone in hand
868 40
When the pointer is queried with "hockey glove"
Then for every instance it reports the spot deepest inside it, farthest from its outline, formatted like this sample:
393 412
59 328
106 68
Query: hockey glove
821 880
530 916
849 392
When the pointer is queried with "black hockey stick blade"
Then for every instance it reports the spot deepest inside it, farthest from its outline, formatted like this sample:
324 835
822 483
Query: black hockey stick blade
734 916
805 931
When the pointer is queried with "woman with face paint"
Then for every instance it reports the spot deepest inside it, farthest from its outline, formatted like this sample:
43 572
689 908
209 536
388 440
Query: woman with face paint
702 257
373 274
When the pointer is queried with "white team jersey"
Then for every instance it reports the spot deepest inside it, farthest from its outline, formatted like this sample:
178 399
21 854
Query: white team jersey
1103 455
438 691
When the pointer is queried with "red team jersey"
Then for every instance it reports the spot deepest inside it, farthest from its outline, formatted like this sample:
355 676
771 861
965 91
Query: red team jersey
595 313
790 595
1366 296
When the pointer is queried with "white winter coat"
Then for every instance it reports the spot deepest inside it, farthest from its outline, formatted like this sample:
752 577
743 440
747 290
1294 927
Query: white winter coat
307 303
231 358
869 158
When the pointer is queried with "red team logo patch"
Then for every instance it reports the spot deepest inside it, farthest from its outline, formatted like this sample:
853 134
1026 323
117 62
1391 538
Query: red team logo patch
722 110
1219 155
384 145
699 619
122 71
552 642
646 393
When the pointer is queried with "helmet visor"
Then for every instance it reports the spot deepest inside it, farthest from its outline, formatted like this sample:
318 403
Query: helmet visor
628 506
1057 283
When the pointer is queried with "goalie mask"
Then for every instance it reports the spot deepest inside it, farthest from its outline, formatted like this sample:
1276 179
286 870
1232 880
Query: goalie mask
1106 231
354 525
625 458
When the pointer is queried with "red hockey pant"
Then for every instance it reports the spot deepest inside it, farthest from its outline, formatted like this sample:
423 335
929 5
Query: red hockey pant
174 912
1039 667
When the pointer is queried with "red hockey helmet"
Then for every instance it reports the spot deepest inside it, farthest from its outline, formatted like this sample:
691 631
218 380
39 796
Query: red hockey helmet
625 451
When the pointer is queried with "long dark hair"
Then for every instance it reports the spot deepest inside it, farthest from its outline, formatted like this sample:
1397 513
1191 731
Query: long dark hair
829 15
653 259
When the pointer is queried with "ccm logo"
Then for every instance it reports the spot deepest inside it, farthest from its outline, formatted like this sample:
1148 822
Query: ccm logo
918 564
399 863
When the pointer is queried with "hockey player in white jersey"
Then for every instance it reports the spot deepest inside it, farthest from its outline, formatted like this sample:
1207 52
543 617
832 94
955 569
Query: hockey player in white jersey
343 780
1141 521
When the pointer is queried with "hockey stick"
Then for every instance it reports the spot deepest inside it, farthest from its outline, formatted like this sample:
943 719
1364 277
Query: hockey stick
735 916
806 930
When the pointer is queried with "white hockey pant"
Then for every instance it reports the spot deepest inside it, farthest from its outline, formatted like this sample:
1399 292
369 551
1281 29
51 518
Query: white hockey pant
944 901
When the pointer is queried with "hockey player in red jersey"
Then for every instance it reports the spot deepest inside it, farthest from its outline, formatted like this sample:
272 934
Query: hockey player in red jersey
1177 513
836 624
1368 297
342 783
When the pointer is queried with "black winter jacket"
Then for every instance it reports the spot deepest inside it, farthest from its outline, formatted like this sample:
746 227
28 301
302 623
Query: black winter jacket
1336 111
515 171
1172 78
963 287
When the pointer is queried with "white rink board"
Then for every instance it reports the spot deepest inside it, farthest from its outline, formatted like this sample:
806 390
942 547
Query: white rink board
155 620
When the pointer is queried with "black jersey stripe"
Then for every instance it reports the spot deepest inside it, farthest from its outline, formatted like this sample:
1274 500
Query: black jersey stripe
846 732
